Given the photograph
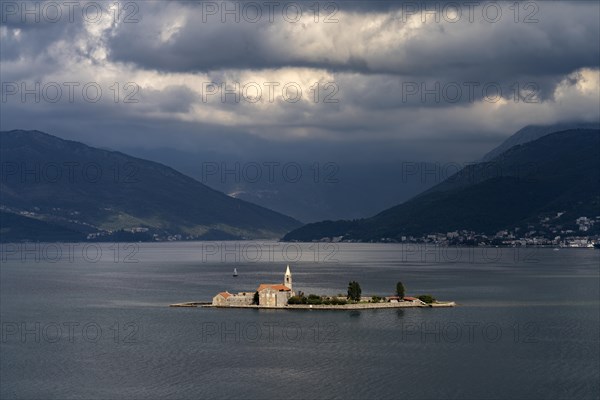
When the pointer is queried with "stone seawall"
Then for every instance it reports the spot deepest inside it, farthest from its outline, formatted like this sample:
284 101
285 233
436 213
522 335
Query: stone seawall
359 306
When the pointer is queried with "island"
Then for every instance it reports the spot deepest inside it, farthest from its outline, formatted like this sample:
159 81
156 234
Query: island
282 296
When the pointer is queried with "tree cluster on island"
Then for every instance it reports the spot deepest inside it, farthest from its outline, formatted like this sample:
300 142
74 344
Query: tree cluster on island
353 296
314 299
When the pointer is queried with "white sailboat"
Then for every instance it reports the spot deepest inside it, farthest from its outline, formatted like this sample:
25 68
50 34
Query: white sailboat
235 272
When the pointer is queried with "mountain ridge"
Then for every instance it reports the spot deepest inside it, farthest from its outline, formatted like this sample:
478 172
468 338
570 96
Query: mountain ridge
487 204
98 192
530 133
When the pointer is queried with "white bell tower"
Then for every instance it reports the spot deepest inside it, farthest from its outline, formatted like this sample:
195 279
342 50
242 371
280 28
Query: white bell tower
287 279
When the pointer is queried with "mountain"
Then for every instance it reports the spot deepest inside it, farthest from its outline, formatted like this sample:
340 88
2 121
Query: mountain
347 189
17 228
323 189
55 189
534 132
554 177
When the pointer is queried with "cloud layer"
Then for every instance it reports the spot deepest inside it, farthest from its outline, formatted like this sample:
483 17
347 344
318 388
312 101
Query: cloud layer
399 79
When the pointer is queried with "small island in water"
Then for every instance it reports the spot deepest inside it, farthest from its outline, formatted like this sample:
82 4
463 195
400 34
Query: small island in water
282 296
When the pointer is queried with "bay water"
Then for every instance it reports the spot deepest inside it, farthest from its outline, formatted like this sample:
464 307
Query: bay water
91 321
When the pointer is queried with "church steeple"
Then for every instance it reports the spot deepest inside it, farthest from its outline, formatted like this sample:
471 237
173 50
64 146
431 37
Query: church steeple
287 279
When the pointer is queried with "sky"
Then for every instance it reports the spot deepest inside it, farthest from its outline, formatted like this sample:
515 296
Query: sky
359 81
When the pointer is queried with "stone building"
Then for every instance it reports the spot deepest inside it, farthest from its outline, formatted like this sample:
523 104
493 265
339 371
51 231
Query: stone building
229 299
269 295
276 295
221 299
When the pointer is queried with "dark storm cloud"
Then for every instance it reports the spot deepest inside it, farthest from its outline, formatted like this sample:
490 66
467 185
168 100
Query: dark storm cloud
373 55
30 28
557 44
173 99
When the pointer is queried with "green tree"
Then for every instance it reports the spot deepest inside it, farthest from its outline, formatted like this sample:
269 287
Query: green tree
400 290
427 298
354 291
338 301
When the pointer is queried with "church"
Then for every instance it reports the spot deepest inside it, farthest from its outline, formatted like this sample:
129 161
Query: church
276 295
269 294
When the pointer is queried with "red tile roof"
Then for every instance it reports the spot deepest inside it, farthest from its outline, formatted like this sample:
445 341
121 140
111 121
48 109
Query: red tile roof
278 287
410 298
224 294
